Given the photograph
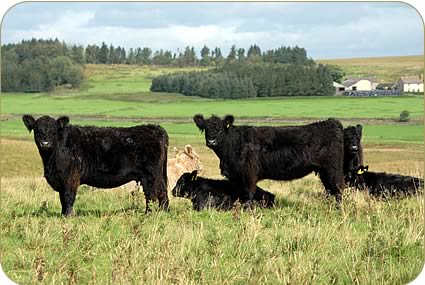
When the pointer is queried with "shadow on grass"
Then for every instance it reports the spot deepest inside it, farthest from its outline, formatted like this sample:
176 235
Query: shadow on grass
43 211
51 213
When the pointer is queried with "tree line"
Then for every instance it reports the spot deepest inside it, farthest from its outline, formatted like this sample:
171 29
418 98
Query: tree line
105 54
250 80
40 65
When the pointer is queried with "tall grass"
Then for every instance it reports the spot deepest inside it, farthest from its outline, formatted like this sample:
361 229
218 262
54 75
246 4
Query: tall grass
303 240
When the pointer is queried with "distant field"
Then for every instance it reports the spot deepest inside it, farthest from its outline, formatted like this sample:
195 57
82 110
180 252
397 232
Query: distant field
295 107
388 69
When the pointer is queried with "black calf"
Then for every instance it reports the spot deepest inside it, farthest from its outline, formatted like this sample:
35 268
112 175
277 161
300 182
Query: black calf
385 184
219 194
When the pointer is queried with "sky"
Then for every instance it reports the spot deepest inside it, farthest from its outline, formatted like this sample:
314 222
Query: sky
325 29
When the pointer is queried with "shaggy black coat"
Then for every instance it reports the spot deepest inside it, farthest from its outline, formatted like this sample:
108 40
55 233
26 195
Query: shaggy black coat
385 184
100 157
248 154
218 194
353 150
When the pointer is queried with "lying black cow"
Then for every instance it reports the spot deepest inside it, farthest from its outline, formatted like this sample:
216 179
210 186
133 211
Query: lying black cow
218 194
353 150
101 157
385 184
248 154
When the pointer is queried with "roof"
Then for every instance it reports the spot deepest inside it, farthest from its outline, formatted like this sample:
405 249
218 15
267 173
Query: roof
412 80
352 81
336 84
385 84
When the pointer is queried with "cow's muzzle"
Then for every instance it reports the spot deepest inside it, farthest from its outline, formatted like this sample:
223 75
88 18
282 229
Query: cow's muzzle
44 144
354 148
212 142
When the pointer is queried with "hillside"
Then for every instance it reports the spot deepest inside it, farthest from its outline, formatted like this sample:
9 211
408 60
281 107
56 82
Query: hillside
387 69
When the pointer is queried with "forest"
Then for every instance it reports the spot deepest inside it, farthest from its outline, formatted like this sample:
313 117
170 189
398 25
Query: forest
39 65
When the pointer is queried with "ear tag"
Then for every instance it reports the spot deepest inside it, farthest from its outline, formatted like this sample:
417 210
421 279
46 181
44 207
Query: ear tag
228 126
194 178
361 171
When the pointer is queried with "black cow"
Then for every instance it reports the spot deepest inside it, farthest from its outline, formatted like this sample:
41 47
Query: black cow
101 157
219 194
353 150
248 154
385 184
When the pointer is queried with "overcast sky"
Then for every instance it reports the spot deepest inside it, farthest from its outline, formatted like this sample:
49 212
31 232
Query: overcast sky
326 30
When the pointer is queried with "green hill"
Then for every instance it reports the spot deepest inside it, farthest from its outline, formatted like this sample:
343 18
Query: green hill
387 69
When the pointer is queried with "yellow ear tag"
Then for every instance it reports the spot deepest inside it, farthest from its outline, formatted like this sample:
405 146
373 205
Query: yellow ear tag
228 125
360 171
194 178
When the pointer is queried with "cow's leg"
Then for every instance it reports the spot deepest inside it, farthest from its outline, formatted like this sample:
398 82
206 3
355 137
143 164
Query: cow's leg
250 187
68 193
163 200
155 189
333 182
67 198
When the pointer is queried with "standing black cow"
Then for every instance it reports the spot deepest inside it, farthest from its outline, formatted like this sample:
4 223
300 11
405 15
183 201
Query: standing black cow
101 157
353 150
248 154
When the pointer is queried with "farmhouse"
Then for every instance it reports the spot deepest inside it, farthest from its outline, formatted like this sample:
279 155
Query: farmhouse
359 84
411 83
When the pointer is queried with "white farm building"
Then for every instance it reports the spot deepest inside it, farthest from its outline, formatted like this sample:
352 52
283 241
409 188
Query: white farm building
411 84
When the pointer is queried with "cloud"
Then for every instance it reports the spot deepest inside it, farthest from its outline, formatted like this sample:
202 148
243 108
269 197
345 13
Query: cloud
324 29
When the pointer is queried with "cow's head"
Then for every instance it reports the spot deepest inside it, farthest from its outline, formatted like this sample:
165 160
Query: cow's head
189 159
356 177
352 139
184 185
215 128
46 130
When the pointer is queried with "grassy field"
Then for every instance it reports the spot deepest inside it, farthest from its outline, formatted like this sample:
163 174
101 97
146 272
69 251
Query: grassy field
303 240
387 69
304 107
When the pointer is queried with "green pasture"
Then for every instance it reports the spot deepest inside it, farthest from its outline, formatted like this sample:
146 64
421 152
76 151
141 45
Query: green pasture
296 107
304 239
181 133
112 79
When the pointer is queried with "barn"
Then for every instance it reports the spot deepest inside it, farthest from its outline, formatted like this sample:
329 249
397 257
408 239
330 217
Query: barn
359 84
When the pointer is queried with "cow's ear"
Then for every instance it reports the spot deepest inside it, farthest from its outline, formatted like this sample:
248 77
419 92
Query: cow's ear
29 122
199 121
359 129
228 121
188 149
62 122
194 175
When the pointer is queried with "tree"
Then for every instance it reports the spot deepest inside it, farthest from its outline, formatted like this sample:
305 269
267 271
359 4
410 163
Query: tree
231 58
254 50
205 56
337 72
91 54
241 55
131 59
217 57
77 54
146 54
103 53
